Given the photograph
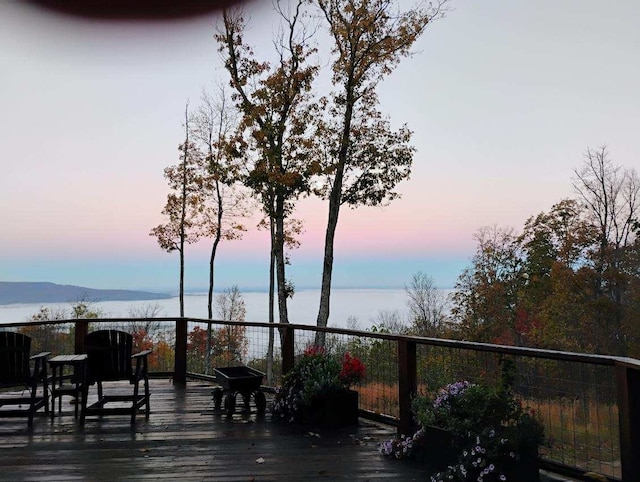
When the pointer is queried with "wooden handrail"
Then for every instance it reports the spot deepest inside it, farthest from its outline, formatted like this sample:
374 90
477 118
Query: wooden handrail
627 370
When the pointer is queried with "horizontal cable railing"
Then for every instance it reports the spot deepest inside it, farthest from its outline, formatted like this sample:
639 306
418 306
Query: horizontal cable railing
589 404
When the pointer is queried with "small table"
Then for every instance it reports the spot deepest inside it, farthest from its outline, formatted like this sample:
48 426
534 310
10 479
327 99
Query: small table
71 384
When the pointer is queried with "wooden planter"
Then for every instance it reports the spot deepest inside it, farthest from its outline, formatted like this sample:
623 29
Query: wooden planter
335 410
440 449
437 450
526 468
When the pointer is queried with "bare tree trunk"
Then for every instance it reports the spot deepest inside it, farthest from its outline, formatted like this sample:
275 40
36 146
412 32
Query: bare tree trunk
280 261
212 259
369 41
183 213
327 267
335 200
272 273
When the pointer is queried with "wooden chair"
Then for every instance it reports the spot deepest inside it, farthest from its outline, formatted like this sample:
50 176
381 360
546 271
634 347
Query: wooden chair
110 359
16 372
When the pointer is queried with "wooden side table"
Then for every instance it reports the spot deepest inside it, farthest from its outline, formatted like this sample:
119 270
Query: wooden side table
71 383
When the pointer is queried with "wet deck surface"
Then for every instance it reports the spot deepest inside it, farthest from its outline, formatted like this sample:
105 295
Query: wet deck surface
186 439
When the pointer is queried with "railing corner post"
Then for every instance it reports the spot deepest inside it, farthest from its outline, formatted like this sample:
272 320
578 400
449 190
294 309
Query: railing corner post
407 384
180 362
81 331
628 382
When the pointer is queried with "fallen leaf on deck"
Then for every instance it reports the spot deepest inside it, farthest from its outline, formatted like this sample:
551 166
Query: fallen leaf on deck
260 460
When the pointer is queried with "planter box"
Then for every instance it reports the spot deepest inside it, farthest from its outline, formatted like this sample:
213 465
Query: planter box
525 468
440 449
336 410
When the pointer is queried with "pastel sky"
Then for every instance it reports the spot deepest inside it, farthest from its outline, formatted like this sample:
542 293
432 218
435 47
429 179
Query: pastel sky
503 98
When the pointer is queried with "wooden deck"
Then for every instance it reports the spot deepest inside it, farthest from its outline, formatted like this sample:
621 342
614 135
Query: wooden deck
184 439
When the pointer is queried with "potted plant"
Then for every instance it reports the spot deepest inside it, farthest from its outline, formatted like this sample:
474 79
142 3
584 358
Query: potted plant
473 432
317 390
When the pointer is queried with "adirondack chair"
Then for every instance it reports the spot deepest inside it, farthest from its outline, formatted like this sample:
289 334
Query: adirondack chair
110 359
16 371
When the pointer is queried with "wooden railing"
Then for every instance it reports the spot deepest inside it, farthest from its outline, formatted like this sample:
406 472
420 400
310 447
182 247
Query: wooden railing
549 379
626 372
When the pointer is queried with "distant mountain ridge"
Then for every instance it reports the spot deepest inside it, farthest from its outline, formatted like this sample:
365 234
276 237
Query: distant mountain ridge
12 292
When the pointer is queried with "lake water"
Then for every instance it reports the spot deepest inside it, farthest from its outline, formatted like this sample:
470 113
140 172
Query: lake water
363 304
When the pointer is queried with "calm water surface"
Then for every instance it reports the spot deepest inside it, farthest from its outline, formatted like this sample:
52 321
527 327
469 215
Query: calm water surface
363 304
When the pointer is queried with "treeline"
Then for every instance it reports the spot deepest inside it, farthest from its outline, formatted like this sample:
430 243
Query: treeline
569 280
207 347
277 134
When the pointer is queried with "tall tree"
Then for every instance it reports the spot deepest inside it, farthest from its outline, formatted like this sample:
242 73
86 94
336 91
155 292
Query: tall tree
224 203
611 195
183 203
277 109
230 306
427 305
364 158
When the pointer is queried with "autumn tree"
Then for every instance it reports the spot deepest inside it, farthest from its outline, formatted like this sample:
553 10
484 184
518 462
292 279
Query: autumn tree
555 300
196 350
84 308
364 158
632 321
148 333
570 280
183 203
275 135
232 339
226 344
54 337
486 298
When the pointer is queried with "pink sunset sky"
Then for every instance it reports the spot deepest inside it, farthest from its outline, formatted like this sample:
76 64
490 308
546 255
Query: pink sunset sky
503 98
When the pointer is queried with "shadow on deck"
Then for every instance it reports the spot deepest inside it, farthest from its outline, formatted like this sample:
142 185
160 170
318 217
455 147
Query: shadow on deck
184 439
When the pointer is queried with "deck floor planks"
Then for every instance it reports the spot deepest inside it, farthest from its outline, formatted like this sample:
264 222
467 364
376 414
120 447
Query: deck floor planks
185 439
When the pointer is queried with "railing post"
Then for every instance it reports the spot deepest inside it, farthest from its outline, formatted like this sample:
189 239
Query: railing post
82 328
180 362
287 339
628 381
407 384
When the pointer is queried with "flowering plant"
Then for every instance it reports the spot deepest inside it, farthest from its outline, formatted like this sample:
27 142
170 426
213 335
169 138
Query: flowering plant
483 460
463 407
316 375
402 447
490 429
352 371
